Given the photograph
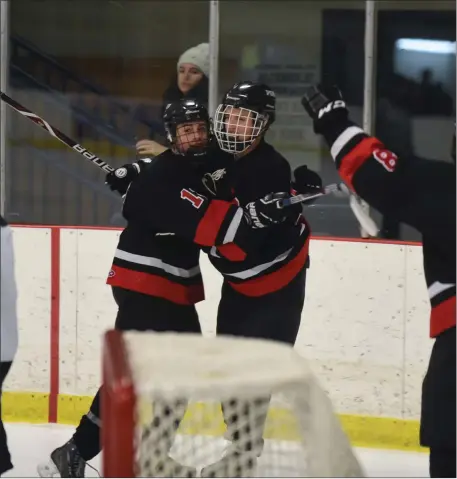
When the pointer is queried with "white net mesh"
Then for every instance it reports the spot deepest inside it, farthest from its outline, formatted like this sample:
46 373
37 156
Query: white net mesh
275 420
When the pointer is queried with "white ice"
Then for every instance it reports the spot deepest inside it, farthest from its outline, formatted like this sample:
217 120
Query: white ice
31 444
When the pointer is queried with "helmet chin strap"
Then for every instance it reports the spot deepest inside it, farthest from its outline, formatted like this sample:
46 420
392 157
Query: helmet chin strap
196 151
239 145
191 151
195 155
198 158
252 146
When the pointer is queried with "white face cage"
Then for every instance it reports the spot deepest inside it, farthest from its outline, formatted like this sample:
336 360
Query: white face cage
237 128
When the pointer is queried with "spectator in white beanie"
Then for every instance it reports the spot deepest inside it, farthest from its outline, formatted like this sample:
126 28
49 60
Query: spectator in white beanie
193 65
191 81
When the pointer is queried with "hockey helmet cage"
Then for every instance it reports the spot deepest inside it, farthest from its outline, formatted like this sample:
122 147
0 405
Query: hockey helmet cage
179 113
246 112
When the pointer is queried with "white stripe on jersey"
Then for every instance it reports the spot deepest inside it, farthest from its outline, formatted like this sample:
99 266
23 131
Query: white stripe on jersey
233 227
157 263
249 273
347 135
436 288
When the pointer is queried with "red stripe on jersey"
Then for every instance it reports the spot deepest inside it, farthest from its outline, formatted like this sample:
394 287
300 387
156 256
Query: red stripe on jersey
356 158
210 224
232 252
155 285
442 317
274 281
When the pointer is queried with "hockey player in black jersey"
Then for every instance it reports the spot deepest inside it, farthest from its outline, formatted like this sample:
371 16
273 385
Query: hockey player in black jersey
263 293
257 170
155 274
422 194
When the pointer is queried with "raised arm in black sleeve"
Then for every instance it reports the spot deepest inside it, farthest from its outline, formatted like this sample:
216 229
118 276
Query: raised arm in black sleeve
415 191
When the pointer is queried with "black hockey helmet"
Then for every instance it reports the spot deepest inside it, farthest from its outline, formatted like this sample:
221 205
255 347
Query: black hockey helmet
246 112
194 138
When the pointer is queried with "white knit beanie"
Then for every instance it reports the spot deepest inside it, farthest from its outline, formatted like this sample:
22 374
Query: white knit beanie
198 56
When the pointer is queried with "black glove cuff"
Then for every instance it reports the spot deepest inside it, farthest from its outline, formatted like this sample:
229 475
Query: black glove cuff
333 130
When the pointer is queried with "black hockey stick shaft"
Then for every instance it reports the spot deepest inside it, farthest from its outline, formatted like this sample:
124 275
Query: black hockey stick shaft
303 198
55 132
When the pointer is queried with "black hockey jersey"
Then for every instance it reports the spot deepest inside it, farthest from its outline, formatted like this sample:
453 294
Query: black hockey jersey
418 192
168 219
277 253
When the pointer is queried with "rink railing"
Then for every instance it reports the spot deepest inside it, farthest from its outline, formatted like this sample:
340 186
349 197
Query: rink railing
364 327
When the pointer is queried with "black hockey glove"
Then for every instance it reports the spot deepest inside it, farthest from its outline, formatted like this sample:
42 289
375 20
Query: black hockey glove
325 106
268 211
307 181
120 179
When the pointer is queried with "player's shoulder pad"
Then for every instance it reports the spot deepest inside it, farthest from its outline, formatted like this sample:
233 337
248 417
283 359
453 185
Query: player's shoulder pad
274 160
270 152
218 159
162 172
158 165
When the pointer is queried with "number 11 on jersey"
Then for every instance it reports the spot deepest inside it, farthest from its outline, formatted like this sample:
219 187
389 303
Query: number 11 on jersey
194 199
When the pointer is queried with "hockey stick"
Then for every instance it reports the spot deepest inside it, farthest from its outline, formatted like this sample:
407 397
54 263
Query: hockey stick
307 197
52 130
365 221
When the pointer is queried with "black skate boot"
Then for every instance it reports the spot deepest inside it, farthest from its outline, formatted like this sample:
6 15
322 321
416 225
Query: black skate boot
65 461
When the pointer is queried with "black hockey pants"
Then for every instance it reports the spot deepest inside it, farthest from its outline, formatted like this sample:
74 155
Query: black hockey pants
137 312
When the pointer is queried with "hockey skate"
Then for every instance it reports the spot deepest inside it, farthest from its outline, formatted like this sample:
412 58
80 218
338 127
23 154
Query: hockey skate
65 461
234 463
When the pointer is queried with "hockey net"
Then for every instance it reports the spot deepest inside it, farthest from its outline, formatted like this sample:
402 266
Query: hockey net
162 414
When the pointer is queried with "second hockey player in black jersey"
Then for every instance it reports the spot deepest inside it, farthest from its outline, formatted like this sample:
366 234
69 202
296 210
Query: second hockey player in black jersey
263 293
422 194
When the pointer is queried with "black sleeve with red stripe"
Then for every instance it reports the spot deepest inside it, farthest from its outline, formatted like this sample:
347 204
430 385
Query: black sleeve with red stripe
218 224
162 205
413 190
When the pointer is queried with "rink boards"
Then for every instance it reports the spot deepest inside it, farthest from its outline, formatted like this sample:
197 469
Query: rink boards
364 330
